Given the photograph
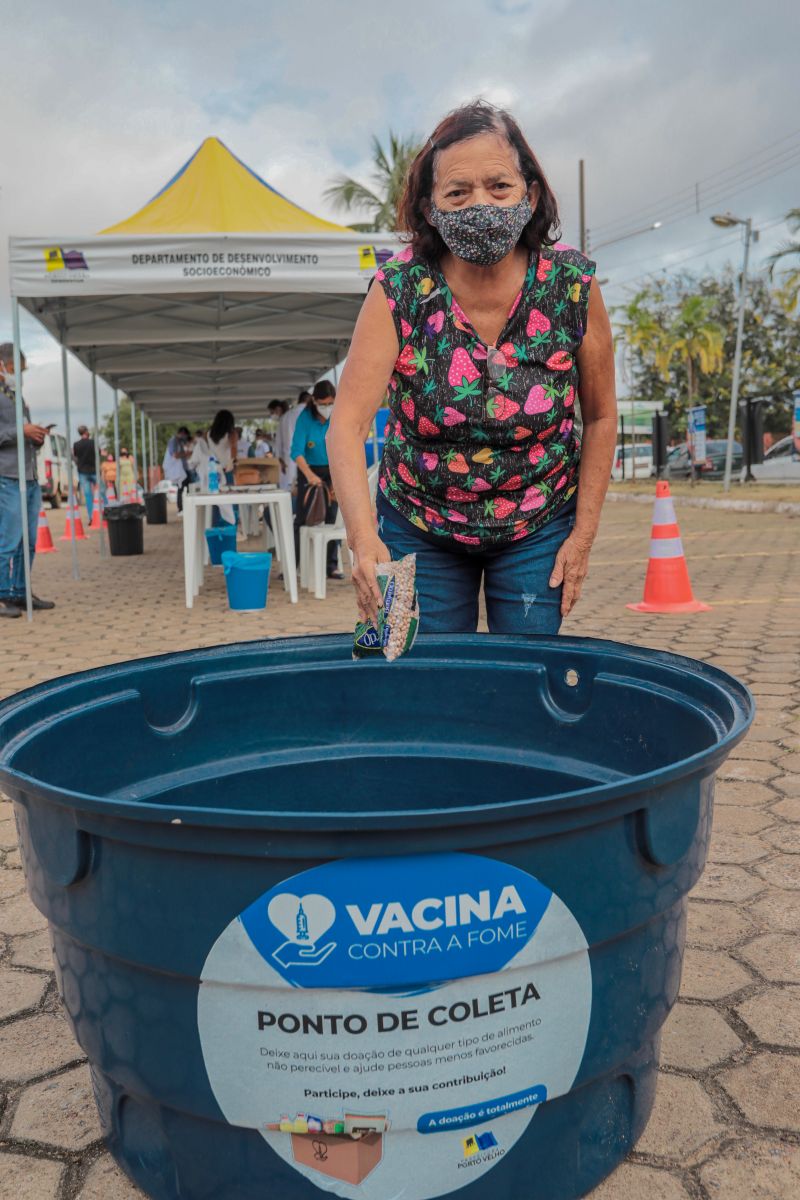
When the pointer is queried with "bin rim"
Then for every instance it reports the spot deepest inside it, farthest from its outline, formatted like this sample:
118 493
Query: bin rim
703 763
249 559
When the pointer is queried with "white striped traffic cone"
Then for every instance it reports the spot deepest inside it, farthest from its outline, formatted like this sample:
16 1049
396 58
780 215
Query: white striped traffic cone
74 516
667 588
44 538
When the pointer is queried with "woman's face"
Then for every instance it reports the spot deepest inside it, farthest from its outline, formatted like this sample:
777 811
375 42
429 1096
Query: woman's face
481 170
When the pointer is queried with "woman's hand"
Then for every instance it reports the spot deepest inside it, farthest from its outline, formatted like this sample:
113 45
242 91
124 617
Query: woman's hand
571 568
368 552
313 480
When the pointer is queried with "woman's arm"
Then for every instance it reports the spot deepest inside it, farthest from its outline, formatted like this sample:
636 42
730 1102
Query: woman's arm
296 452
373 353
311 476
598 402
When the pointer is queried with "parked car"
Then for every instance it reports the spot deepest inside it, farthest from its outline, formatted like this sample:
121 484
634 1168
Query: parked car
643 461
781 464
679 464
53 464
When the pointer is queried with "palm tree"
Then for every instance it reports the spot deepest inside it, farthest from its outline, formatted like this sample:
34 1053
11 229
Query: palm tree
695 339
789 249
388 180
640 331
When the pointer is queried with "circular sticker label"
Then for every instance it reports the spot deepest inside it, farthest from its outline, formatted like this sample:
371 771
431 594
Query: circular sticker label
372 1013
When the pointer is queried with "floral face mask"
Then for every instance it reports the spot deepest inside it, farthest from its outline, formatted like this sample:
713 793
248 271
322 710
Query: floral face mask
483 233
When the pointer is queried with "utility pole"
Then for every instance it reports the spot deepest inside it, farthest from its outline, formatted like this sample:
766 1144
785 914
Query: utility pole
582 204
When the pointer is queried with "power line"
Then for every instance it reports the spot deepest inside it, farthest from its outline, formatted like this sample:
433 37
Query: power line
712 240
713 185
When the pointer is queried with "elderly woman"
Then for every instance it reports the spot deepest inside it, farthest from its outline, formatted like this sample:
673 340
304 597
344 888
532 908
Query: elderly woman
483 334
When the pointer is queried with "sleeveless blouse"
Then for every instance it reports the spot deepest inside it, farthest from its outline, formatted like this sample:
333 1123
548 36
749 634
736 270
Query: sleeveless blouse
481 448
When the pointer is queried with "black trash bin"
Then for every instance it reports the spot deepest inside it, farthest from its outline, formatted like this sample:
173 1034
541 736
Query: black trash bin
125 528
155 504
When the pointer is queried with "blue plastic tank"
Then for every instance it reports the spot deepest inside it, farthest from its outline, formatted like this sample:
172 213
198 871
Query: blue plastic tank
369 929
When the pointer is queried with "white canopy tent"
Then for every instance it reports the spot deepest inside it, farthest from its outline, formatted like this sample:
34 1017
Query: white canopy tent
188 323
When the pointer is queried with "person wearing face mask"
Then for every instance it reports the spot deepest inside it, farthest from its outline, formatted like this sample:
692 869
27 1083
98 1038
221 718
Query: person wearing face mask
12 566
486 335
311 456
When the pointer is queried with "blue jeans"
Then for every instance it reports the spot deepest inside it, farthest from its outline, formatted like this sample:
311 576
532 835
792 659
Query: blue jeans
87 487
12 565
515 577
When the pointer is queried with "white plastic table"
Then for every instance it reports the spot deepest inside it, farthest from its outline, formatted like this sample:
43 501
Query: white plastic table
194 541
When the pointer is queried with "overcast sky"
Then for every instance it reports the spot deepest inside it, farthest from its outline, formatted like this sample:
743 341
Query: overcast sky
103 101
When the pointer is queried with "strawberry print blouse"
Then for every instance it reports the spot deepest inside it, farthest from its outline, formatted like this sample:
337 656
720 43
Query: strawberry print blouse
480 444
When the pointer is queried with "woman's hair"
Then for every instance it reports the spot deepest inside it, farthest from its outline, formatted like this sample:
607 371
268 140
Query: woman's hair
458 126
222 426
324 390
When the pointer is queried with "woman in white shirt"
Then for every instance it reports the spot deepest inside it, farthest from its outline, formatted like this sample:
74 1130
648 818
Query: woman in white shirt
198 459
221 443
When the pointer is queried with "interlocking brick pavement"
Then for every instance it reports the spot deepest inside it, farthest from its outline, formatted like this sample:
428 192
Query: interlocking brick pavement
726 1118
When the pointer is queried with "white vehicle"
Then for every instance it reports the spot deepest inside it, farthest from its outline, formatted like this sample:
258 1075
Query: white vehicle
781 464
643 461
53 463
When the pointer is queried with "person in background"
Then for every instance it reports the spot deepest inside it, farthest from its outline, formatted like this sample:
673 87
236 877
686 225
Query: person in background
283 441
222 442
126 474
12 564
84 456
243 443
311 455
197 463
174 464
108 475
263 446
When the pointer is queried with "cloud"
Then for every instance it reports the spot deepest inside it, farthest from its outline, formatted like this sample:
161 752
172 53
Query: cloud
103 101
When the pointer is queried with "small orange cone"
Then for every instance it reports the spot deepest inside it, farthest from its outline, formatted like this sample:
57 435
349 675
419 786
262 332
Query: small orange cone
44 538
73 514
667 588
95 521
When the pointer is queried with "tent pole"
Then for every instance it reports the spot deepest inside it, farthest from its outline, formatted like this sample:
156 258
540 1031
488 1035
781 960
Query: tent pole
150 433
23 483
133 449
116 439
144 452
76 574
97 458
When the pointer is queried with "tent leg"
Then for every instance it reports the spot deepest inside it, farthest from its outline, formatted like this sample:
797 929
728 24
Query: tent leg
76 573
116 438
97 462
133 451
144 450
23 488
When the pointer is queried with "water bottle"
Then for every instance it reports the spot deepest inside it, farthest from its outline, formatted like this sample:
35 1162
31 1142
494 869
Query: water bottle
213 474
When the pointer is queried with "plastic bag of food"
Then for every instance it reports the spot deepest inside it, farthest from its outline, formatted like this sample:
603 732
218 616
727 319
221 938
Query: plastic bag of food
398 615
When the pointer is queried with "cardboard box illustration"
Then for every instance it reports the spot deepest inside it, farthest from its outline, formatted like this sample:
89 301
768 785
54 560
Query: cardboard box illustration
348 1159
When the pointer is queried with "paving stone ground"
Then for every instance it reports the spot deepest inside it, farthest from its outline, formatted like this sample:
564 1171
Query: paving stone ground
726 1124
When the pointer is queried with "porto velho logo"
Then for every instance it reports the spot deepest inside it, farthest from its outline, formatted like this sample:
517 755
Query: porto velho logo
378 923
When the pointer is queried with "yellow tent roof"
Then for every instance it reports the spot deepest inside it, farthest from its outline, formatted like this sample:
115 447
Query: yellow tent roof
214 192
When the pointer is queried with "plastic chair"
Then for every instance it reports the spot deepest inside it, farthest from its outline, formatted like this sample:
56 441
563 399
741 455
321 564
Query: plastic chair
314 541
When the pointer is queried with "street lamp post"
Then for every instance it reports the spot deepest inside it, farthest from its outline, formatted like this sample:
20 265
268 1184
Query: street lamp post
726 221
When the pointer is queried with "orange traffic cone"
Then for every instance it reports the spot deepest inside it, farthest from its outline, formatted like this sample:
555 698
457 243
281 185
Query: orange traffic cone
44 538
110 492
73 515
667 588
95 521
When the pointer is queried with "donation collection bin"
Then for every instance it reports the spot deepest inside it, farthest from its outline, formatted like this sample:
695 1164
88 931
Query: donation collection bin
125 528
369 929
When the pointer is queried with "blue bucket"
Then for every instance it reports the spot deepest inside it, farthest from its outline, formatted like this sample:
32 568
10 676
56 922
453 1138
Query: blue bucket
247 580
220 538
370 953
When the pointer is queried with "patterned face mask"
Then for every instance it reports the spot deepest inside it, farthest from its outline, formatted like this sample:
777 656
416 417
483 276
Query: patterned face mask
483 233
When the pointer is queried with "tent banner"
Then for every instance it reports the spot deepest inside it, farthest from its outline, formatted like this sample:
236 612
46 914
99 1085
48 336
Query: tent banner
113 265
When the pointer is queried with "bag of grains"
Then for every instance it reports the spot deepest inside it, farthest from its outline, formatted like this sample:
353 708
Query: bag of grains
398 615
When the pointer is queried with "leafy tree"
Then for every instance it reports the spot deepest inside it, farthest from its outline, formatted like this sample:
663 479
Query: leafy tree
770 347
388 179
789 249
694 339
